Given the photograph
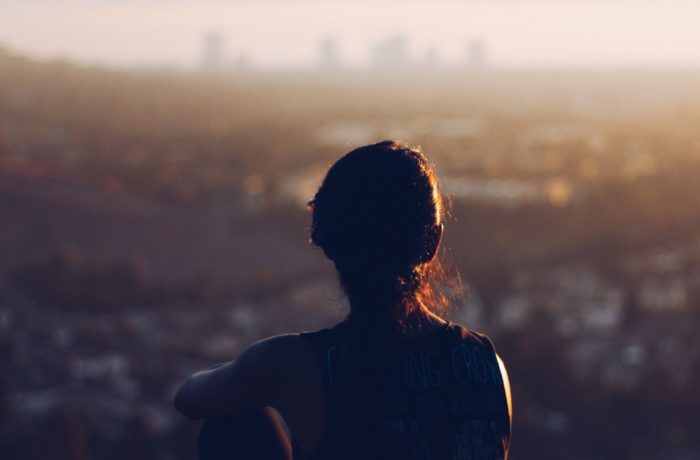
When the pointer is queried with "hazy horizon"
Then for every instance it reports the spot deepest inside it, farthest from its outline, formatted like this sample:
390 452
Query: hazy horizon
287 33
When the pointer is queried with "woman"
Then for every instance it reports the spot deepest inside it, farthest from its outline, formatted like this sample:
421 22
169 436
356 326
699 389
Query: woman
394 379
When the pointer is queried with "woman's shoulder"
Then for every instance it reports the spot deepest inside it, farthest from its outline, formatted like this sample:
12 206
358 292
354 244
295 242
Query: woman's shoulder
279 350
324 337
467 335
283 351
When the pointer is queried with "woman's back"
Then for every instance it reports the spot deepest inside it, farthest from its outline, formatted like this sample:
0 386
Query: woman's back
436 396
393 380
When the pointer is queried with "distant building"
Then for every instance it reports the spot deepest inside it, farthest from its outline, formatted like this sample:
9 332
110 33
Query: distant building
241 63
476 54
431 57
213 51
391 52
328 52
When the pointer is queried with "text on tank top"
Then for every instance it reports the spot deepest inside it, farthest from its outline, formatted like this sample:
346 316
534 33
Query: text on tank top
440 396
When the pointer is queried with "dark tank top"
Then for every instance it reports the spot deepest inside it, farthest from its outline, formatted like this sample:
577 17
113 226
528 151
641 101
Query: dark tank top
435 397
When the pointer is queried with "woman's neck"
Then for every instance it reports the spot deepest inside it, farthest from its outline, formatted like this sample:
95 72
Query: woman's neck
421 321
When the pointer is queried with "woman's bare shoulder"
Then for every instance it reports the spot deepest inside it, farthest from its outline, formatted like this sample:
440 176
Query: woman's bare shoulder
298 385
257 378
280 349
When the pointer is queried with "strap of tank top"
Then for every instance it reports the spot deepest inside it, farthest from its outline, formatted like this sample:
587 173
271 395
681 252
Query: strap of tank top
462 335
487 342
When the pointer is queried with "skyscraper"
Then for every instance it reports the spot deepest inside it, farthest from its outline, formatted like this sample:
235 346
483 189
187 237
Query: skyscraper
328 52
431 58
391 52
213 51
476 54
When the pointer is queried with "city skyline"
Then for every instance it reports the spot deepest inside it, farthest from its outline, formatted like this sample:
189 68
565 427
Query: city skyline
387 52
279 33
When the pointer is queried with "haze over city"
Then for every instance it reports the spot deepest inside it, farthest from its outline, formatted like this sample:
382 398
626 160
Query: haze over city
289 33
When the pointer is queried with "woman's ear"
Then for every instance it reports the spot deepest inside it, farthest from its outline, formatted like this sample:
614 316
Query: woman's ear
432 242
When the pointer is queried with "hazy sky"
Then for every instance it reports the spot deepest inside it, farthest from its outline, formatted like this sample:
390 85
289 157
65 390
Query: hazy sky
287 32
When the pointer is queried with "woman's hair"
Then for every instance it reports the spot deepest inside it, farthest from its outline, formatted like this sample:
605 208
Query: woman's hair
378 216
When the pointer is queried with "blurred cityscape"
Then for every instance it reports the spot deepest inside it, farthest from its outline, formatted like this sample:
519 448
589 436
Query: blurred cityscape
387 54
154 224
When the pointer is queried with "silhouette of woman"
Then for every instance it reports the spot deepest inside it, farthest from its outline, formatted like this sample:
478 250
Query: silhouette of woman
393 380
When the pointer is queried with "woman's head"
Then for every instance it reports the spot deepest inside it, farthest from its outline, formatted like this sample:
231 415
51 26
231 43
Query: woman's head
378 216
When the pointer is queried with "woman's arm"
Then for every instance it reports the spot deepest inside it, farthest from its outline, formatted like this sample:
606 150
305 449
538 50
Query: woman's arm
250 382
